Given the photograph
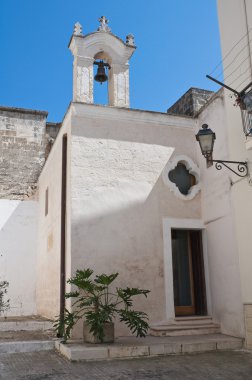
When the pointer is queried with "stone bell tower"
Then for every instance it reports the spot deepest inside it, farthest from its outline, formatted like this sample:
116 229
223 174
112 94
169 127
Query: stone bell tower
101 45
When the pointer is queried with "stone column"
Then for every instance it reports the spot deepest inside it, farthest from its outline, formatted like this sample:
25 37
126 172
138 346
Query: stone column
83 80
118 86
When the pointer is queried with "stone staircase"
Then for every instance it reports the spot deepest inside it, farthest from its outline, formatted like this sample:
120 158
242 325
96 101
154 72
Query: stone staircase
26 334
196 325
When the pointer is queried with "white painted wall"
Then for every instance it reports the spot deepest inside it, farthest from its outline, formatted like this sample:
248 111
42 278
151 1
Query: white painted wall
48 279
233 28
218 216
119 197
18 254
235 22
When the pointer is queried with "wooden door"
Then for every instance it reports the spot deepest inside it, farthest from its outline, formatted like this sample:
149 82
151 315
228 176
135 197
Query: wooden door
183 279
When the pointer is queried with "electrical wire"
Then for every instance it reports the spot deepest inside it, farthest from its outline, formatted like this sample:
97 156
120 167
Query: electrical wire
238 67
245 80
229 52
237 55
245 72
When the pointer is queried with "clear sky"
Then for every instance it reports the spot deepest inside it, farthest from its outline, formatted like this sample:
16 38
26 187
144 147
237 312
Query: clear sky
177 45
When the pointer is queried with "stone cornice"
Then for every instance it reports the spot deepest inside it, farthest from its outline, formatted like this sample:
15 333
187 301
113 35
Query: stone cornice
94 111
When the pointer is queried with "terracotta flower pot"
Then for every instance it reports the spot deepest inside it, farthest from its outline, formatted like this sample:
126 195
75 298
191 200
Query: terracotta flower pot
109 333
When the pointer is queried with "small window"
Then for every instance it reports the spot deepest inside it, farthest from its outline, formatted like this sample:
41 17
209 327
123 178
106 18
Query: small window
182 178
46 202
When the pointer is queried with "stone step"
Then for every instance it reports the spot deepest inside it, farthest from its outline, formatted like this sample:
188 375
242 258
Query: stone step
132 347
194 320
184 329
26 346
29 323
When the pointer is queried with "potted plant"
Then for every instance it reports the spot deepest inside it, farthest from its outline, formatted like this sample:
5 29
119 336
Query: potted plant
94 301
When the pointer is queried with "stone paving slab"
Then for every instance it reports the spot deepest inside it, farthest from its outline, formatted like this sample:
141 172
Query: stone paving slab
29 346
25 324
12 336
131 347
48 365
22 318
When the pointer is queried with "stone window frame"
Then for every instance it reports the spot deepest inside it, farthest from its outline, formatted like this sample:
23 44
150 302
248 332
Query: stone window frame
191 167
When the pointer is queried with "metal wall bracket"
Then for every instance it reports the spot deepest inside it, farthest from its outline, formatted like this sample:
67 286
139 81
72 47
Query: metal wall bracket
241 167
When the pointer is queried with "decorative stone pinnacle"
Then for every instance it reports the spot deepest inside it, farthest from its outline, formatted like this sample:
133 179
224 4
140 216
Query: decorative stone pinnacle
77 29
104 24
130 39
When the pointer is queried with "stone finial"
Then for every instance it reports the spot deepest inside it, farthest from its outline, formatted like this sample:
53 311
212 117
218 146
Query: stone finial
130 40
77 29
104 25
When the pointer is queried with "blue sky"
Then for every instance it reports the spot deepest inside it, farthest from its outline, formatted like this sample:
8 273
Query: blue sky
177 45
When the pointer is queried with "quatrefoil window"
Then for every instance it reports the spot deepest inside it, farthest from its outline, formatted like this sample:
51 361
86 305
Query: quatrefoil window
181 175
182 178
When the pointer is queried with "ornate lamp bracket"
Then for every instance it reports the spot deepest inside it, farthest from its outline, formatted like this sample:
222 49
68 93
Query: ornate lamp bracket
241 167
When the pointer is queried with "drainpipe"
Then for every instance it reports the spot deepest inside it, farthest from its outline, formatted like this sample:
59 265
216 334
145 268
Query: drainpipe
63 229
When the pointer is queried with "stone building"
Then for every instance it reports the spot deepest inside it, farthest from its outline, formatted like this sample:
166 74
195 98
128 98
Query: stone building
118 189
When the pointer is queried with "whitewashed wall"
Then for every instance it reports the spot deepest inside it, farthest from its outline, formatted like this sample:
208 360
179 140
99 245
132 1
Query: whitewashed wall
235 22
49 245
119 197
18 253
218 216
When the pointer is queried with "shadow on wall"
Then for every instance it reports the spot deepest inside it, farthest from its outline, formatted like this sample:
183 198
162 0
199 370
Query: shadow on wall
164 130
18 247
120 230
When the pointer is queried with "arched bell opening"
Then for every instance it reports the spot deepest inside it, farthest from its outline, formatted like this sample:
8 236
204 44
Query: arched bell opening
101 78
101 45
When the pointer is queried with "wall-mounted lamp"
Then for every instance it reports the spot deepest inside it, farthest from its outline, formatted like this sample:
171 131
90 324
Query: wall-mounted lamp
206 138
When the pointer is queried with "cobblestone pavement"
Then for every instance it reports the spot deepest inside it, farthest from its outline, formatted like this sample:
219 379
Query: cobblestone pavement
49 365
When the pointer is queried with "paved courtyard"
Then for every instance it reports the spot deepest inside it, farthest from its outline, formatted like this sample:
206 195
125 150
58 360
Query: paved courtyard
48 365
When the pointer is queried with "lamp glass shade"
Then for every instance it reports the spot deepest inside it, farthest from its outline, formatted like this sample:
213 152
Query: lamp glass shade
206 138
248 101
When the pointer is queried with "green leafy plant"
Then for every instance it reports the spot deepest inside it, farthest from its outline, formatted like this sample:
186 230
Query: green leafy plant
98 305
4 304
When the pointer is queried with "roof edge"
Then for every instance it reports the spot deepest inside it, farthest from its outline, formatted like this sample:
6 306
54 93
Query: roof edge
23 110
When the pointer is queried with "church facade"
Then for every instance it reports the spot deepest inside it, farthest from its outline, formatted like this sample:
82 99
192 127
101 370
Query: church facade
120 190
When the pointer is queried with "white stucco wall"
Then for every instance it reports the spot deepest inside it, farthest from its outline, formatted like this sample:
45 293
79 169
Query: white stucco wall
18 253
49 247
218 216
119 197
233 27
235 21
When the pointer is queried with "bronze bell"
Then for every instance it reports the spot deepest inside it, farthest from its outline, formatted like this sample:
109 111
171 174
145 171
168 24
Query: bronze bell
101 75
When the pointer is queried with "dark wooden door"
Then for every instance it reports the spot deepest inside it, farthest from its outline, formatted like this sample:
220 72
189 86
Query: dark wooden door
188 273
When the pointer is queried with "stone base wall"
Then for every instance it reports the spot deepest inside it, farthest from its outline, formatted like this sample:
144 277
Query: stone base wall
248 325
